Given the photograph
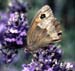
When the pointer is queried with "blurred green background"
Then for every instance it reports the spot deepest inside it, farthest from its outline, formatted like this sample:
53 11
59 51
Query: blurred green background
64 11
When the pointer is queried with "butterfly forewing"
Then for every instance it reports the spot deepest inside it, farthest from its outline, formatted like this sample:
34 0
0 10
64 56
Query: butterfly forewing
44 29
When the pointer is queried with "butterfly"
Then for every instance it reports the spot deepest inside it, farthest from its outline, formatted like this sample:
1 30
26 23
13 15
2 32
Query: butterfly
44 29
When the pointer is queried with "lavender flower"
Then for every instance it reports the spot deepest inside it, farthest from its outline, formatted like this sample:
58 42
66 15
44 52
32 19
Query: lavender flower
16 29
47 59
14 37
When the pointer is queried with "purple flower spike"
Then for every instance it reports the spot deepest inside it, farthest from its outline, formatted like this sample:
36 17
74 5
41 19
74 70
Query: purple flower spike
15 33
48 59
17 26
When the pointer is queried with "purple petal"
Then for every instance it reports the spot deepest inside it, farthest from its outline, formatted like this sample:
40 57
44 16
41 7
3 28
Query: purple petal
10 39
20 42
23 33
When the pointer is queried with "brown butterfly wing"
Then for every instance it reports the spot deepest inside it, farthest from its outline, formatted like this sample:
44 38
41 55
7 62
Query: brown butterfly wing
44 29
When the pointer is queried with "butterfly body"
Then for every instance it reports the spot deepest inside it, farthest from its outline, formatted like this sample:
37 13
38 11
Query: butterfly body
44 29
